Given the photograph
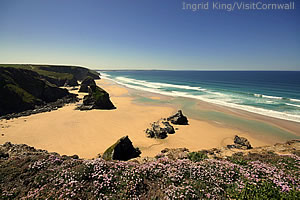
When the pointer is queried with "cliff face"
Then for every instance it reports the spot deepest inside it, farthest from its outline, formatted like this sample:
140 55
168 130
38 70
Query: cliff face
22 89
58 75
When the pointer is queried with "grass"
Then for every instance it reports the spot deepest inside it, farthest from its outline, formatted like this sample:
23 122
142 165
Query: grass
24 95
37 69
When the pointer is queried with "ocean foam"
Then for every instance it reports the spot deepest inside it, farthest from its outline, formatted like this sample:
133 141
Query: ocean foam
289 104
295 100
158 85
222 101
267 96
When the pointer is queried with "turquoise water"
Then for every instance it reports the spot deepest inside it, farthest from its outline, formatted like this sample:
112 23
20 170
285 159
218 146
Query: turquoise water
270 93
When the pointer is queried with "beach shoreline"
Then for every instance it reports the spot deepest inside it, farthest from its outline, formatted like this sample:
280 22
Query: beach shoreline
88 133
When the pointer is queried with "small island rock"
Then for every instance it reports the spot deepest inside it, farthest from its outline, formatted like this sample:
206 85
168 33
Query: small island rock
242 143
121 150
96 99
160 129
178 118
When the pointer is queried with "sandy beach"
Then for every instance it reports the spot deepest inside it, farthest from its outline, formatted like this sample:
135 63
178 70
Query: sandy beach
88 133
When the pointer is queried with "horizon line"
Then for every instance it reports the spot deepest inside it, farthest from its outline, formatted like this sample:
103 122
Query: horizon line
151 69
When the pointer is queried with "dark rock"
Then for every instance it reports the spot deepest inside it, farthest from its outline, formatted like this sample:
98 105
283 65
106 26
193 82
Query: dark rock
178 118
121 150
23 90
86 83
96 99
71 98
160 129
242 143
75 156
71 82
231 146
3 155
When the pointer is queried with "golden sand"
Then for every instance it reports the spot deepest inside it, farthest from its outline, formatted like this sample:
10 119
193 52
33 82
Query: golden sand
87 133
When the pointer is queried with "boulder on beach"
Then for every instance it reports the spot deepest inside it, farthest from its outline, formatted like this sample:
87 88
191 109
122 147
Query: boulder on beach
121 150
96 99
178 118
160 129
86 83
241 142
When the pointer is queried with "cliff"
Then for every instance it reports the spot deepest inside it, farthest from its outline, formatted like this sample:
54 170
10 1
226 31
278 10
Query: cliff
58 75
22 89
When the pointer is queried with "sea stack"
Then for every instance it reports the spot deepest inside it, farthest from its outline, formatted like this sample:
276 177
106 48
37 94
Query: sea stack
121 150
178 118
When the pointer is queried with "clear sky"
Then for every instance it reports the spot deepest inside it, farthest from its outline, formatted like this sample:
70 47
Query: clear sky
148 34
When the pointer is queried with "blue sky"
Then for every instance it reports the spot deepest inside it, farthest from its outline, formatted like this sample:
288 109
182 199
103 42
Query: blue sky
147 34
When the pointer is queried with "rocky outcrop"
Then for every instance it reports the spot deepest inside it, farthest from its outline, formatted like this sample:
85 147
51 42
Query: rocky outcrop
160 129
178 118
121 150
173 153
240 143
71 82
23 90
10 150
289 147
71 98
86 83
96 99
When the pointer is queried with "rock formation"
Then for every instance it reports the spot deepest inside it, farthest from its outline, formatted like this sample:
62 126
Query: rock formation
241 143
96 99
71 82
86 83
22 90
178 118
160 129
173 153
121 150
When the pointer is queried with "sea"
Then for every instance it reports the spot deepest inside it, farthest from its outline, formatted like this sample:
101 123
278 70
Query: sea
270 93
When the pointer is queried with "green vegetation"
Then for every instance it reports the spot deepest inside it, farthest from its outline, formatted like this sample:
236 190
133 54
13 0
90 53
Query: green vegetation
107 155
24 89
24 95
37 68
50 176
56 71
197 156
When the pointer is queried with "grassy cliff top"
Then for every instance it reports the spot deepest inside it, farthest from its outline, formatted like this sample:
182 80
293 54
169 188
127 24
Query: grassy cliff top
53 71
27 173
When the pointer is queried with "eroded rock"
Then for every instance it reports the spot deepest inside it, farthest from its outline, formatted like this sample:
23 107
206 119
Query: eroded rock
86 83
121 150
160 129
178 118
96 99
